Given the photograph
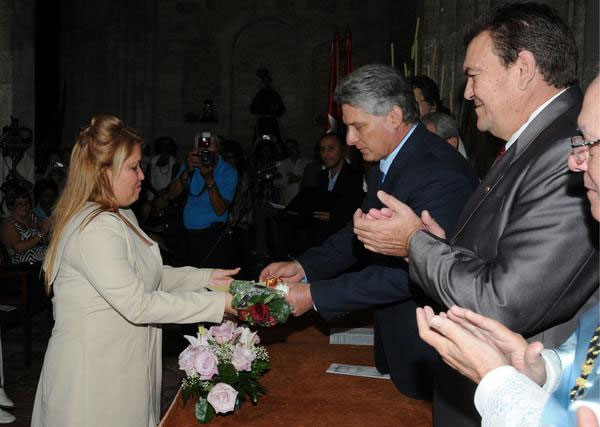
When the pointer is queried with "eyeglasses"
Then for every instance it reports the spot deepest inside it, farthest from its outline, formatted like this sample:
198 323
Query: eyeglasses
580 148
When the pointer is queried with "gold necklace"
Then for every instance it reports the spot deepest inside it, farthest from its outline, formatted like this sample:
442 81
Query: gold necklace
588 365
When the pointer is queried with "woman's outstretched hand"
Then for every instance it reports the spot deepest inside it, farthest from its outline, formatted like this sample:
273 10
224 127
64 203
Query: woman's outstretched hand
221 277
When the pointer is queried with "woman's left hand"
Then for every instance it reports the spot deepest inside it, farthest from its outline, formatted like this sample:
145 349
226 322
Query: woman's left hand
220 277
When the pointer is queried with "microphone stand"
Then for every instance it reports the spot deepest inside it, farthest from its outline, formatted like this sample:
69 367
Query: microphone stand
245 206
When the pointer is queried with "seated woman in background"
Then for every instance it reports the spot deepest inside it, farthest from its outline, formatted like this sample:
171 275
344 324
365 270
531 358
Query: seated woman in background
102 366
23 235
45 193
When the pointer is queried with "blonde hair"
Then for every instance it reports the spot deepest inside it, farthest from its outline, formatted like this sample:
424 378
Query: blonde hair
103 145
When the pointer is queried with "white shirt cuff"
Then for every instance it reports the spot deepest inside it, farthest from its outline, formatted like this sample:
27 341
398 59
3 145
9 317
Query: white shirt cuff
553 369
490 383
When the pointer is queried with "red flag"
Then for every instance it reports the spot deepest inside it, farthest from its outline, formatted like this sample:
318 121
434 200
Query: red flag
348 52
332 108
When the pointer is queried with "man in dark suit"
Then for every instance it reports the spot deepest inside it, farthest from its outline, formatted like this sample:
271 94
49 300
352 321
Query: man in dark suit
342 185
419 168
520 252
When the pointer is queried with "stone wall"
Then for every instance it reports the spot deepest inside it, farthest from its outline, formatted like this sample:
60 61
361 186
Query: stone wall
17 18
108 63
441 39
208 49
154 63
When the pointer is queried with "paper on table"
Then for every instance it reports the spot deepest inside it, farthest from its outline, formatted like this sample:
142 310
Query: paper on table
357 371
351 336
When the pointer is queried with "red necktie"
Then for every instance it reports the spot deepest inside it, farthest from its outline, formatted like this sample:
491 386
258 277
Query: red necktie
501 152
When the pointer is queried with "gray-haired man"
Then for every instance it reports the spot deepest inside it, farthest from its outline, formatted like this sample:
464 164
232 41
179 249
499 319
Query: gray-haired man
416 166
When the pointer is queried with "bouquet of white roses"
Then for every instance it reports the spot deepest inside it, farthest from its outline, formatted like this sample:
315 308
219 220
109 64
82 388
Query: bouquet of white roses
222 366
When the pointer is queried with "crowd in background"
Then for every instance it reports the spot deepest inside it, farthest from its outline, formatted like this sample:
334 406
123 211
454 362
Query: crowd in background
280 204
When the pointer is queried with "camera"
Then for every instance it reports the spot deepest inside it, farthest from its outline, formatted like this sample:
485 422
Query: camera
202 143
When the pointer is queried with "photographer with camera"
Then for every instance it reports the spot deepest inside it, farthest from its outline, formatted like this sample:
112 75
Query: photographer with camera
208 184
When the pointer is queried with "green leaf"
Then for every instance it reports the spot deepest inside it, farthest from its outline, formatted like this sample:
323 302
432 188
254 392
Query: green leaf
186 394
227 373
241 392
259 367
204 411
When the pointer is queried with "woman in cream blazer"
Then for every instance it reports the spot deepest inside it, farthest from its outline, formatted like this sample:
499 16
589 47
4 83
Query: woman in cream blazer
111 292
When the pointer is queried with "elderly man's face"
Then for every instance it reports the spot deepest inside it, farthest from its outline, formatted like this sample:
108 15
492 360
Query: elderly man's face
589 125
492 87
374 136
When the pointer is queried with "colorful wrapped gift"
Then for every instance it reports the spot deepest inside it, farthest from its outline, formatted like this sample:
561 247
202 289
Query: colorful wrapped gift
260 303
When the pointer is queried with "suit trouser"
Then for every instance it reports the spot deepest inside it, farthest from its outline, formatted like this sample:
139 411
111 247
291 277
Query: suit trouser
400 352
453 396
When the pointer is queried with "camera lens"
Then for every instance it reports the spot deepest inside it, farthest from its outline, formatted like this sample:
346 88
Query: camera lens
205 157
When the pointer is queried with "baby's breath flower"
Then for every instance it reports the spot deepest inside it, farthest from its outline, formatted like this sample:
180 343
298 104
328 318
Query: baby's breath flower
261 353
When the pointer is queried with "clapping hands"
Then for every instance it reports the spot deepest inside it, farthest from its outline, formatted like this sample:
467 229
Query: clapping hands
388 230
474 344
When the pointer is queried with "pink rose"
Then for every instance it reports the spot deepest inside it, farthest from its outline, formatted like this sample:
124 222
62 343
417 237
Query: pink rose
242 358
206 364
224 332
222 397
187 359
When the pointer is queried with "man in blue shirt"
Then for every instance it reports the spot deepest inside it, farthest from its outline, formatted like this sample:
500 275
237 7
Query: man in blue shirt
208 183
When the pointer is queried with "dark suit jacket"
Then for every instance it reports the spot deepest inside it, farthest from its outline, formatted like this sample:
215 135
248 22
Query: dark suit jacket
347 195
428 174
524 250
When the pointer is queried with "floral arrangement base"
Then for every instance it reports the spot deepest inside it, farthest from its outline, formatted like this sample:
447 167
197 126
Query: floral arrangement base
222 366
